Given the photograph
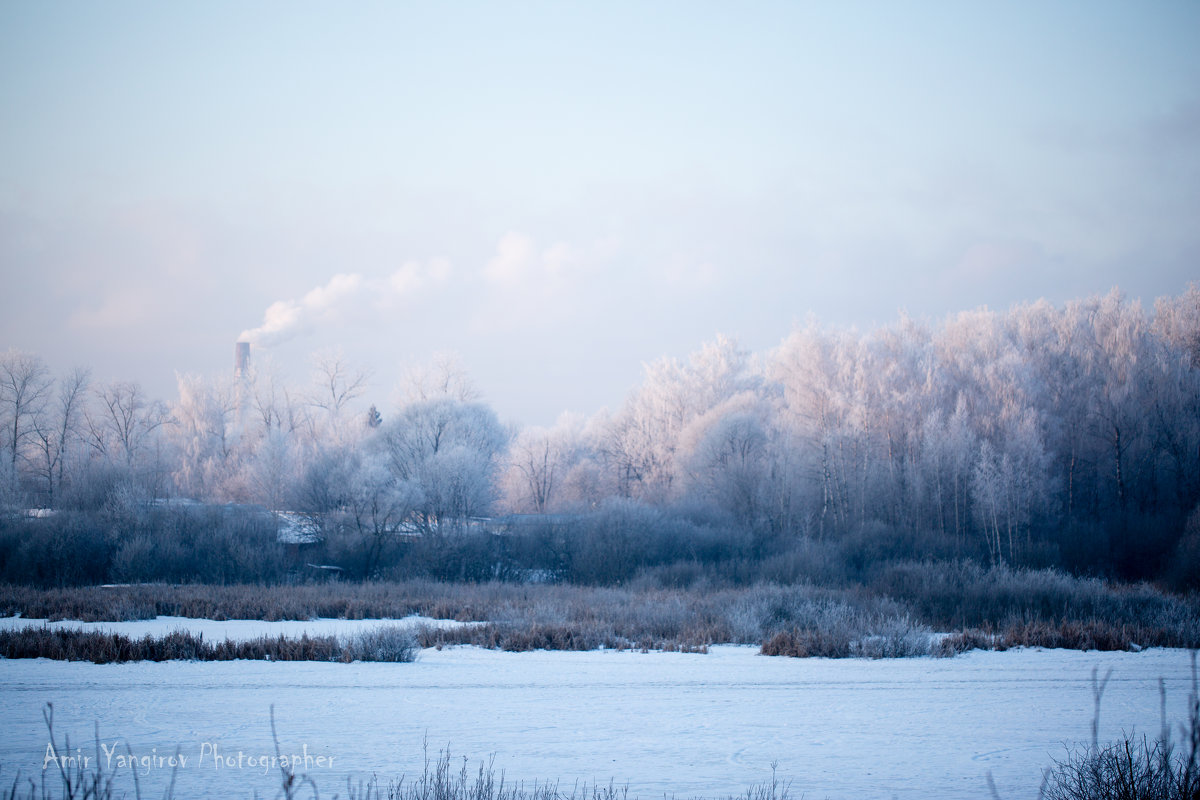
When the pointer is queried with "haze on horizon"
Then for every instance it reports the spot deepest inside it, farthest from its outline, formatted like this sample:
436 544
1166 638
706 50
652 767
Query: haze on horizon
559 194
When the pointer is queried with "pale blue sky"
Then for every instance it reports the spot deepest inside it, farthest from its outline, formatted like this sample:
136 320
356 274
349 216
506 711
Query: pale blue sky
562 191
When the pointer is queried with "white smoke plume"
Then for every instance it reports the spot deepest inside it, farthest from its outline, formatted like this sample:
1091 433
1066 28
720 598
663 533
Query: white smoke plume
343 294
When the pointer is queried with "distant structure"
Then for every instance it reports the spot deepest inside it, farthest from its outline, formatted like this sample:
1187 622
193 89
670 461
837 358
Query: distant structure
241 381
241 359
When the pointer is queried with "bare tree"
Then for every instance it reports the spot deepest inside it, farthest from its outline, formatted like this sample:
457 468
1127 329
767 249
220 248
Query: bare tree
442 378
379 503
274 406
335 382
539 462
532 456
56 434
25 385
121 429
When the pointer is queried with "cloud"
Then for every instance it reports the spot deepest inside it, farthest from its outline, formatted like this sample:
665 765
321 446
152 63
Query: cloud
514 259
413 275
345 293
124 309
519 260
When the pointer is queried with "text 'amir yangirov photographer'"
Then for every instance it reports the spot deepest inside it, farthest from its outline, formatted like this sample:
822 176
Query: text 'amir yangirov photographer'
209 756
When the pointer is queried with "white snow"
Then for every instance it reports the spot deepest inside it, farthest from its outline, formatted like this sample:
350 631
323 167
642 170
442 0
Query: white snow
238 630
296 528
664 723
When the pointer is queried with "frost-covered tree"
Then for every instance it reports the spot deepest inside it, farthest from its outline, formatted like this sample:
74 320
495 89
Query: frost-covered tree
1033 434
207 436
1113 350
948 454
638 445
271 474
821 408
1177 323
724 458
1172 415
450 451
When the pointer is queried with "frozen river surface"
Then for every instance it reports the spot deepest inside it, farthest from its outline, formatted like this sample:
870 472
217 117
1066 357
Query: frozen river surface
660 723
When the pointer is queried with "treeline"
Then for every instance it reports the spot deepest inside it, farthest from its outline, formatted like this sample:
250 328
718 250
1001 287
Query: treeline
1042 436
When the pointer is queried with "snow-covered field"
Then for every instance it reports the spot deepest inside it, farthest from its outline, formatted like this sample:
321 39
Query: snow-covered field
687 724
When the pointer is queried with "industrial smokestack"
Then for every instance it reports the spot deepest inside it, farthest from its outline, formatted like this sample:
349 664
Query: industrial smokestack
241 359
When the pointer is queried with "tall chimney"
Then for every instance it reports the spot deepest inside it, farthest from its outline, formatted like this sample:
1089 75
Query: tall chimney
241 359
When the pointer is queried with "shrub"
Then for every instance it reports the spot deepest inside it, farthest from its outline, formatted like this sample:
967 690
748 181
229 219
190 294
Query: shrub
850 634
1008 609
386 644
1134 768
1070 635
389 643
965 640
